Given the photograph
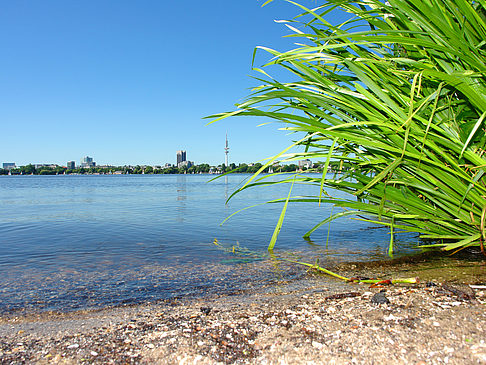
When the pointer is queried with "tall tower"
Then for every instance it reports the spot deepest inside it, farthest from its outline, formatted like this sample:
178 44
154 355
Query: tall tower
226 151
181 157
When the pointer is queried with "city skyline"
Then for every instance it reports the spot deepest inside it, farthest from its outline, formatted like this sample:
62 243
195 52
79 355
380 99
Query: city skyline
87 162
182 165
126 89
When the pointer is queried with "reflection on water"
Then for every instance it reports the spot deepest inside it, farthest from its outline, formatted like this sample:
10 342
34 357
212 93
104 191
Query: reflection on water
181 187
181 197
120 236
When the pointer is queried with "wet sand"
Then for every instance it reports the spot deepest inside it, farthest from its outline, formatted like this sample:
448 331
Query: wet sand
441 320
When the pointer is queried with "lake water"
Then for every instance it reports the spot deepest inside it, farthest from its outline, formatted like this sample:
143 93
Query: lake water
71 242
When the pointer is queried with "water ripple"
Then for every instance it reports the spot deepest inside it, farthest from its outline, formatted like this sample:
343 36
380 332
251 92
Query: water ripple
83 241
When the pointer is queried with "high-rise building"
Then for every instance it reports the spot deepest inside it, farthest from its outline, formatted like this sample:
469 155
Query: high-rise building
71 165
87 162
181 157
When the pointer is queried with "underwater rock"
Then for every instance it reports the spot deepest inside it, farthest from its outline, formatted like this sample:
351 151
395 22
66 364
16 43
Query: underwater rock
380 298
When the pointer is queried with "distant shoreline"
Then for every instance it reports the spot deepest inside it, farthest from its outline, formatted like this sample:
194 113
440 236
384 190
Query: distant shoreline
251 168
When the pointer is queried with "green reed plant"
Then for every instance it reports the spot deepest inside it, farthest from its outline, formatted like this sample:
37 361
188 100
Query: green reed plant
394 99
252 255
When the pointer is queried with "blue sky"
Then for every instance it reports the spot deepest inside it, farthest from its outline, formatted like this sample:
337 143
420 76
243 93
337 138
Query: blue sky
128 82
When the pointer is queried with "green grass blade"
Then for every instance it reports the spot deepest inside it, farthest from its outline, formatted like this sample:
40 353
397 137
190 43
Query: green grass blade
278 227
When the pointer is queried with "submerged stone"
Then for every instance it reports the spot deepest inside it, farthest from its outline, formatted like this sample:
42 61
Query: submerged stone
380 298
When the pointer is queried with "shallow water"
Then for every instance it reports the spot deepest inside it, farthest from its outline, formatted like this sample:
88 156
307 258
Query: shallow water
71 242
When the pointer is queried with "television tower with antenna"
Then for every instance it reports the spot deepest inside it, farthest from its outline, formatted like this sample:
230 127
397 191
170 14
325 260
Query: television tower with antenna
226 151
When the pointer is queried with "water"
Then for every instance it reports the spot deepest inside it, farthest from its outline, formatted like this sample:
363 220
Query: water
71 242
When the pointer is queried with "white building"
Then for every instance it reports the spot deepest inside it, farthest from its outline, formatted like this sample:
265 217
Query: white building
185 163
305 163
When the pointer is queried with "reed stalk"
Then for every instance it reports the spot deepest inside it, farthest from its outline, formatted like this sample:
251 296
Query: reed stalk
242 252
394 99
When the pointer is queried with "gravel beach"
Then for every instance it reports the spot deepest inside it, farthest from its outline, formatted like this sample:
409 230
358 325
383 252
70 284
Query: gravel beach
426 323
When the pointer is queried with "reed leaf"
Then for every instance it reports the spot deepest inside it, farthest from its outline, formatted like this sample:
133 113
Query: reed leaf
395 99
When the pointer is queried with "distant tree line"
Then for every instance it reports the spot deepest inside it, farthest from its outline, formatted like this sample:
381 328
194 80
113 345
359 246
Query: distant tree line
196 169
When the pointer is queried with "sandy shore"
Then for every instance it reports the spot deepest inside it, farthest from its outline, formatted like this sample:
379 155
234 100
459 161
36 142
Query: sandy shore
418 324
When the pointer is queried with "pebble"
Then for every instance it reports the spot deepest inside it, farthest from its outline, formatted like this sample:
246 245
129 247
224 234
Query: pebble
391 317
206 310
247 335
380 298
